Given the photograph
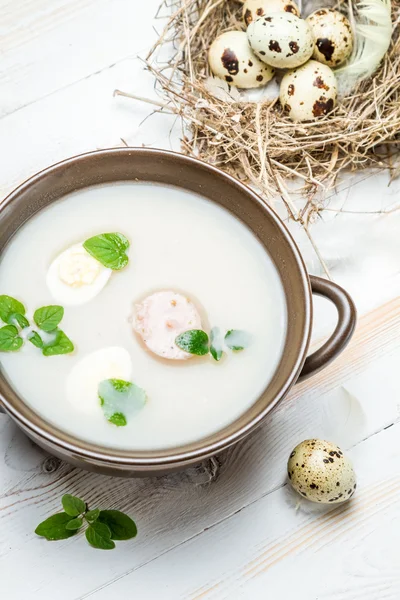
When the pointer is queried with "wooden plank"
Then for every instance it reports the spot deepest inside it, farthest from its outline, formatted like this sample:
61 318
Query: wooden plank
81 118
46 46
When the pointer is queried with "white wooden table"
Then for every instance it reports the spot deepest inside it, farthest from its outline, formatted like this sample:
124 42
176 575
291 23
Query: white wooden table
230 528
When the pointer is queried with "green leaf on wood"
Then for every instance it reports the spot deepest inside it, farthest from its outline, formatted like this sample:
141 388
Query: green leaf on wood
92 515
99 536
121 526
74 524
55 527
73 505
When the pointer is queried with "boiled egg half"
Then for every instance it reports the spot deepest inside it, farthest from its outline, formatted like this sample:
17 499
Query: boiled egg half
113 362
75 277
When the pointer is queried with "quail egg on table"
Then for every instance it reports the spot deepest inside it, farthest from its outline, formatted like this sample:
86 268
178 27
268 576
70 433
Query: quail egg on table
333 36
231 58
252 9
281 40
320 472
308 92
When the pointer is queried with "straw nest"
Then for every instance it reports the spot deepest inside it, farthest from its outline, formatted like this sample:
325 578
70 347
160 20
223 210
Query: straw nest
254 140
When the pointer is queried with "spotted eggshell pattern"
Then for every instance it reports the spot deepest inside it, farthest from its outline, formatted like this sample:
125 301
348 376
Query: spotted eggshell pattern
308 92
252 9
320 472
231 58
281 40
333 36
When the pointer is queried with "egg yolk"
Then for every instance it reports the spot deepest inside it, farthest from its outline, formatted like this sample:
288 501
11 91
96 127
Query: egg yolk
77 268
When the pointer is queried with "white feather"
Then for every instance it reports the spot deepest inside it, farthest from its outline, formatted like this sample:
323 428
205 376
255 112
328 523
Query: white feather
373 31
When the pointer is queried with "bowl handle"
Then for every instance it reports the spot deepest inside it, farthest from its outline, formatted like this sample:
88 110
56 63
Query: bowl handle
347 318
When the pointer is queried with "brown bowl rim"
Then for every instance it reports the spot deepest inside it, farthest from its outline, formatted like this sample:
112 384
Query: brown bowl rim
174 455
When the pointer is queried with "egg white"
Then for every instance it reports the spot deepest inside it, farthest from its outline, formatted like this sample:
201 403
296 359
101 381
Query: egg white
73 295
113 362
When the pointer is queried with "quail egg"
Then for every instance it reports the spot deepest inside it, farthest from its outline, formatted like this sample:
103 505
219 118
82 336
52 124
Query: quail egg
333 36
231 58
252 9
320 472
281 40
308 92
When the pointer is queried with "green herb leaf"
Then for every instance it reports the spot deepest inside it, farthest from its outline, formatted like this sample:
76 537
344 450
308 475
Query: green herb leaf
10 306
237 340
118 419
35 339
194 341
92 515
55 527
121 526
120 400
20 319
99 536
74 524
216 344
60 345
109 249
72 505
47 318
9 339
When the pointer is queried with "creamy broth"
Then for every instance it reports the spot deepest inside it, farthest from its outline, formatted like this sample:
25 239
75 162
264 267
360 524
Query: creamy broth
179 241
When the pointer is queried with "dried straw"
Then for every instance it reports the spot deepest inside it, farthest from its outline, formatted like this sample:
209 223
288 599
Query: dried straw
255 140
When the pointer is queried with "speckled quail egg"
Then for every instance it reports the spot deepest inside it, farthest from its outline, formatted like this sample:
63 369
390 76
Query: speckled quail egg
320 472
333 36
281 40
252 9
231 58
308 92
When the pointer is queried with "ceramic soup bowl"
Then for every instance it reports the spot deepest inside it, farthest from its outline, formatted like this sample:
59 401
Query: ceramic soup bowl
145 165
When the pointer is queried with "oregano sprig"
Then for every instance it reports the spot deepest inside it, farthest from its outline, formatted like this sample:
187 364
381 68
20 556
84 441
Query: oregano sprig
102 527
47 319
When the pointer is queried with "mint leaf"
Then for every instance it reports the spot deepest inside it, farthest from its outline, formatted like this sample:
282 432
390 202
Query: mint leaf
92 515
121 526
60 345
74 524
194 341
109 249
55 527
10 306
99 536
237 340
35 339
20 320
9 339
216 344
120 400
72 505
47 318
118 419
